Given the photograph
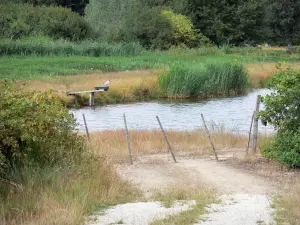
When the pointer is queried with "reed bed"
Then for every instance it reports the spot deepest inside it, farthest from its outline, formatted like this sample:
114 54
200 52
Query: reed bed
185 80
48 47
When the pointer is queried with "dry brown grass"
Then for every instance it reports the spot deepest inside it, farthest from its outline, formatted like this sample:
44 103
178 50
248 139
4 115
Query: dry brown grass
65 198
288 208
113 144
125 86
260 72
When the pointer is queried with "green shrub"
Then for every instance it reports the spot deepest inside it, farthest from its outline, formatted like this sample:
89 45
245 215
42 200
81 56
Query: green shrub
282 110
183 31
35 128
285 148
45 46
22 20
194 80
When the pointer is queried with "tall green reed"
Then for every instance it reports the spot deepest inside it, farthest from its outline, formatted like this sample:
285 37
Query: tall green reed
47 47
185 80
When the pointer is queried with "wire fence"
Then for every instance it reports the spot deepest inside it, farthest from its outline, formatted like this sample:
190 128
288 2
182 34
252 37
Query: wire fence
149 123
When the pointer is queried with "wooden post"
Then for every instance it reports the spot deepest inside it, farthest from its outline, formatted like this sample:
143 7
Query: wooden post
209 137
92 99
128 139
86 128
250 132
255 129
166 139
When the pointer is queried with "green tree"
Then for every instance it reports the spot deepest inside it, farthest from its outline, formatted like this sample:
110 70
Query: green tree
284 21
229 22
106 17
282 109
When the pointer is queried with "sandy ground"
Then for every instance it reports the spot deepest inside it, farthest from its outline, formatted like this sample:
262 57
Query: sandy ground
140 213
159 171
244 197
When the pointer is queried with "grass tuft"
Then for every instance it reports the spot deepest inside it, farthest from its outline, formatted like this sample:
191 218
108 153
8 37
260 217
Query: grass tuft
203 197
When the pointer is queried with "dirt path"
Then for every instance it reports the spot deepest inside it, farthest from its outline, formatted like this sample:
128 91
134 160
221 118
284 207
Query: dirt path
244 197
158 171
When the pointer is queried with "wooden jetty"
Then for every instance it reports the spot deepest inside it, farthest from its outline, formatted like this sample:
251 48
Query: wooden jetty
91 92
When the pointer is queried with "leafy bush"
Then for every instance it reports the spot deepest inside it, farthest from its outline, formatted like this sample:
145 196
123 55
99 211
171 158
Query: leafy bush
285 148
183 31
282 109
194 80
45 46
35 128
22 20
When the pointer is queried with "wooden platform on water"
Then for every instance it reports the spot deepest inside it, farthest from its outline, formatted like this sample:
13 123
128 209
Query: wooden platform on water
91 92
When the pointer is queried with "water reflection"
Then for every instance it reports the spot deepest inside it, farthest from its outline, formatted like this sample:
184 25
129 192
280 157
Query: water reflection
233 114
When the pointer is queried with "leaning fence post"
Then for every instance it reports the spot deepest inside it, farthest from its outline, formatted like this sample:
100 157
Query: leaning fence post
86 128
255 129
166 138
250 132
210 140
128 139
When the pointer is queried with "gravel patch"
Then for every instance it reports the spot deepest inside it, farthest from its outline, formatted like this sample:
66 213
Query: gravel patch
141 213
240 209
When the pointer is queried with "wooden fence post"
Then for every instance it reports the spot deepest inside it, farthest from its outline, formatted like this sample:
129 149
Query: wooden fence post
255 129
86 128
92 99
166 139
209 137
128 140
250 132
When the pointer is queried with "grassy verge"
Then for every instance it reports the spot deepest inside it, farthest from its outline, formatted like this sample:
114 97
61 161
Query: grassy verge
202 197
287 206
190 143
62 196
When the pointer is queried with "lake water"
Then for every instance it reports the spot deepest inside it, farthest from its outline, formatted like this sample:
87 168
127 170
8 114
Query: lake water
231 114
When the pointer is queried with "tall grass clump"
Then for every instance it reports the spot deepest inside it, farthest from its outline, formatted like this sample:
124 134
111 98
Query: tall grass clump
198 80
43 46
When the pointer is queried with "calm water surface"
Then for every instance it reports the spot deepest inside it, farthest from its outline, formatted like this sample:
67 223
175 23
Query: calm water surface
232 114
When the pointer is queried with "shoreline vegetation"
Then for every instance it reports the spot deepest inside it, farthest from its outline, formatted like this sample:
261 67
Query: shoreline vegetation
144 84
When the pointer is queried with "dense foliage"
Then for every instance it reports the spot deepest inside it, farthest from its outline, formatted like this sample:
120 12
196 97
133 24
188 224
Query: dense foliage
150 24
36 129
283 111
21 20
220 21
198 80
75 5
229 22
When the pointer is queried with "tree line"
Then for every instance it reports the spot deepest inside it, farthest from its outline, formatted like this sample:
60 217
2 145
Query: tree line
161 23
